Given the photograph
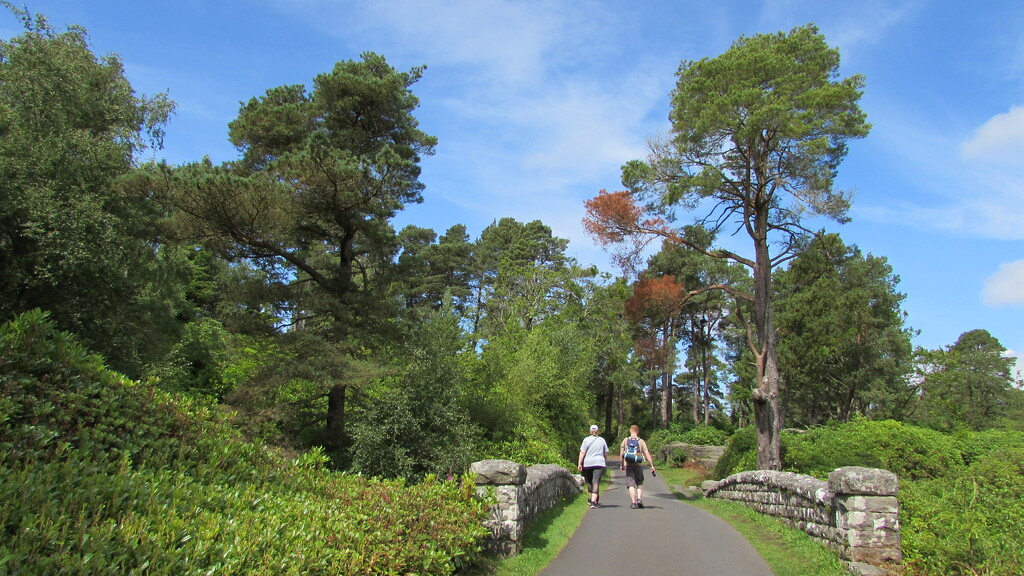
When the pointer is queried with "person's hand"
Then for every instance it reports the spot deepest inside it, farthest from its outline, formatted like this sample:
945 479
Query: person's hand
579 467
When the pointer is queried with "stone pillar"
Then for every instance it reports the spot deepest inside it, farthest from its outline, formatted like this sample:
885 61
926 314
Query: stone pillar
506 521
867 515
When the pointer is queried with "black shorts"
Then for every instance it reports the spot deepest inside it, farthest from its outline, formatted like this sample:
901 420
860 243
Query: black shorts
634 475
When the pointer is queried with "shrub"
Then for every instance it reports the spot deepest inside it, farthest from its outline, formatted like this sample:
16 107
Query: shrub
967 524
705 436
974 445
698 435
908 451
740 453
415 422
101 475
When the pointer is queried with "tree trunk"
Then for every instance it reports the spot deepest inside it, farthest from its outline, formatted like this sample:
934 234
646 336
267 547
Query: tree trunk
695 411
655 416
667 368
622 407
336 416
767 415
666 398
609 399
707 388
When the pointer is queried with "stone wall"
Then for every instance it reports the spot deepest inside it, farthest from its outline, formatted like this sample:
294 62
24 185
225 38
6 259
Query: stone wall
855 512
521 495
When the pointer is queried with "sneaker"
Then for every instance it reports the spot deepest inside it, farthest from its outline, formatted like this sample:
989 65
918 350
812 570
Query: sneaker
632 505
593 504
639 504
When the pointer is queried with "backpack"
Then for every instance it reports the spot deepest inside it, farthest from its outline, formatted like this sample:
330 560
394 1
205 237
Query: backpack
633 453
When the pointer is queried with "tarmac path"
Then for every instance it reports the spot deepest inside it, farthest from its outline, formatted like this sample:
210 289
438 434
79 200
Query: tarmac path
667 537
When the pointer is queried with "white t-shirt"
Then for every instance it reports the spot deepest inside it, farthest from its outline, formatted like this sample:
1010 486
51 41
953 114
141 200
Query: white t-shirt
595 448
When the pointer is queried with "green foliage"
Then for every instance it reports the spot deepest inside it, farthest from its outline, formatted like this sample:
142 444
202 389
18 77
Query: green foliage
740 453
417 422
967 384
73 243
703 435
699 435
909 451
100 475
961 495
205 362
527 447
842 343
976 445
970 522
535 395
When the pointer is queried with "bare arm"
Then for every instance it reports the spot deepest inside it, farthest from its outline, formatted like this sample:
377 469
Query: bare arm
647 453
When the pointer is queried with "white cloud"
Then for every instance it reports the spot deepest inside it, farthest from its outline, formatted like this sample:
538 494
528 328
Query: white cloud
980 193
1006 286
1000 140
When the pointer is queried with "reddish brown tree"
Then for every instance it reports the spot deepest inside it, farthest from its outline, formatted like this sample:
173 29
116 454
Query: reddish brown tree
654 310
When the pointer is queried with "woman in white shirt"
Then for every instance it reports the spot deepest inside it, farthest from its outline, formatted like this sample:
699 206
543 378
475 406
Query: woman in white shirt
592 463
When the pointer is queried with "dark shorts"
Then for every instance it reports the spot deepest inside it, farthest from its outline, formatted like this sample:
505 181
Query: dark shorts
634 475
592 474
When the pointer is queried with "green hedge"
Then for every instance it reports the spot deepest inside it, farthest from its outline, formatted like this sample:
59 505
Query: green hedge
100 475
909 451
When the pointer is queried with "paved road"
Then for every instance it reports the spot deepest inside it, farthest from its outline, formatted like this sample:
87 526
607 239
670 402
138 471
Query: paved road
666 537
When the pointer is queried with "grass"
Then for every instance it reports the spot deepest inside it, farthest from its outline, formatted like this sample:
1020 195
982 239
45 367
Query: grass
788 551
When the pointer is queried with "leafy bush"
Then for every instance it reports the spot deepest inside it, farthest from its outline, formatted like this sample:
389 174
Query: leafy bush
740 453
527 451
698 435
101 475
705 436
967 524
908 451
657 439
974 445
416 422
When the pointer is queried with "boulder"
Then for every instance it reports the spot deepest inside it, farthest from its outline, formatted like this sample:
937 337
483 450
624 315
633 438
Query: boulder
704 456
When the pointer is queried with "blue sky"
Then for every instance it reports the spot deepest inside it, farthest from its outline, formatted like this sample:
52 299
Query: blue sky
537 104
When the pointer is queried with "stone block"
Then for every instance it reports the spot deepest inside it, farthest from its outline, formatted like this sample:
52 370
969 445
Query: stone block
873 538
879 504
499 472
874 556
859 480
868 521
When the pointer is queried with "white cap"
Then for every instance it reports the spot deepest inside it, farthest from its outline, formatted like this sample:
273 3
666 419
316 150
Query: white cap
593 427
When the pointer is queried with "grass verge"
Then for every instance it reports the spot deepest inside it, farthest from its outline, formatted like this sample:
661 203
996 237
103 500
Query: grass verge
788 551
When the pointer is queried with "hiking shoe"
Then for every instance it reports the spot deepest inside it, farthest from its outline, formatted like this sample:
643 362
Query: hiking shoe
639 504
632 505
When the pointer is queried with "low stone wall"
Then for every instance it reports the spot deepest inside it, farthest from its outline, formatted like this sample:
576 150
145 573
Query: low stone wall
522 494
855 512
